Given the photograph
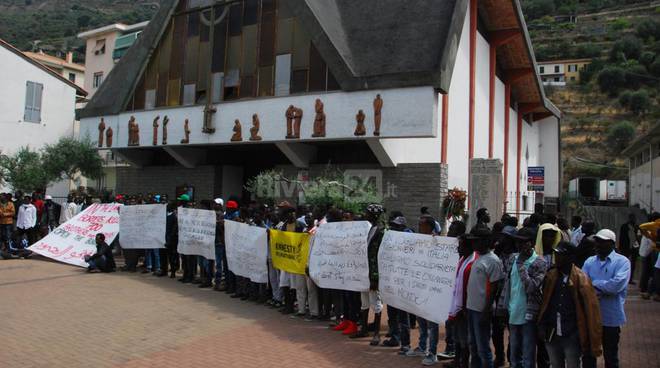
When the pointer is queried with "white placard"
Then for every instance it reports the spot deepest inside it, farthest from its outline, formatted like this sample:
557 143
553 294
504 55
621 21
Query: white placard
417 273
247 250
75 239
142 226
338 256
196 232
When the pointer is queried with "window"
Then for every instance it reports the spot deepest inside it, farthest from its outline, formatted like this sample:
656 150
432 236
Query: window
33 95
541 69
572 79
72 77
99 49
98 79
556 79
556 68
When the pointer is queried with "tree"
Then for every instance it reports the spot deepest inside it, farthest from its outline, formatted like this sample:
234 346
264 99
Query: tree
538 8
624 98
640 102
23 170
611 80
620 135
629 47
648 28
647 58
69 157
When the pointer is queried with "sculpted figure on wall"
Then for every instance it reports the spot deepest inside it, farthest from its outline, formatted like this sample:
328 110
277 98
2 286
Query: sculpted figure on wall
297 118
155 132
133 132
359 128
319 120
186 133
378 107
289 114
165 121
108 137
238 135
254 131
101 131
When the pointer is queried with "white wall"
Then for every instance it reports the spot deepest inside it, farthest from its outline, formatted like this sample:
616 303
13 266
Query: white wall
98 63
57 109
549 154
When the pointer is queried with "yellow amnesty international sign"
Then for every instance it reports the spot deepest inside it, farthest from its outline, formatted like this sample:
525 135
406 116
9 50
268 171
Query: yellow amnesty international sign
289 251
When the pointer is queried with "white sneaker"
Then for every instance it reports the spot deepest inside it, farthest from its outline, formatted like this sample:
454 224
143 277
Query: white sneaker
430 359
416 352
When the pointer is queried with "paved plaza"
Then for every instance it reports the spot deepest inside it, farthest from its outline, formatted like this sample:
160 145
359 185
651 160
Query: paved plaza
55 315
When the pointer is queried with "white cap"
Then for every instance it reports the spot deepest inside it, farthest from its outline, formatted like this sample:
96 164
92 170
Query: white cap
219 201
606 234
47 197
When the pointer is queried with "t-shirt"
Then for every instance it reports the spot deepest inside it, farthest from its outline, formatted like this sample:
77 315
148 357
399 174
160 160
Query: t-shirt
486 269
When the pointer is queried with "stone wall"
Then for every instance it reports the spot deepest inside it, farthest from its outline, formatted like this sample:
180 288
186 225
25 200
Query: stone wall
165 179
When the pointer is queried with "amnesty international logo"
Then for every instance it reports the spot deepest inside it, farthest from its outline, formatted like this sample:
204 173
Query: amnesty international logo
289 251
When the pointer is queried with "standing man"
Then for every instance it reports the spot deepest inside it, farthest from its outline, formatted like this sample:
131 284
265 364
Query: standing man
576 230
483 217
51 214
569 319
522 298
7 212
68 210
26 221
218 207
629 244
172 238
482 290
609 273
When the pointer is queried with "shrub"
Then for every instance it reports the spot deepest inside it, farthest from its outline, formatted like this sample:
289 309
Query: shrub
624 98
611 80
636 76
640 102
587 50
620 135
629 47
648 28
647 58
620 24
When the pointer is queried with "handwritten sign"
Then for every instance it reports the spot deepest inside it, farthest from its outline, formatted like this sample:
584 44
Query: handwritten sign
75 239
196 232
338 257
247 250
142 226
417 272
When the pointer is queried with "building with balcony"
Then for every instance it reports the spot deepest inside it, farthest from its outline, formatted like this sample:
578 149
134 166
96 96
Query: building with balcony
104 46
560 72
408 94
643 155
64 67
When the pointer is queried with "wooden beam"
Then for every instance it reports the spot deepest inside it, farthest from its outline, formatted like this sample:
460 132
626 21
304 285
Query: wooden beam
513 75
526 108
502 36
491 99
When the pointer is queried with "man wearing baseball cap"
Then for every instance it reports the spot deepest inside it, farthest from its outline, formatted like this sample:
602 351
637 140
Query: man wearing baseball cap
609 273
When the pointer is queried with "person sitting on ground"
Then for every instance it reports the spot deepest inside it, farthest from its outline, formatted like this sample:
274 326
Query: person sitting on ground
102 260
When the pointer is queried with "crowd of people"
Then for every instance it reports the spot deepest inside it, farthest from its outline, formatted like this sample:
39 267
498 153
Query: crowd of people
558 288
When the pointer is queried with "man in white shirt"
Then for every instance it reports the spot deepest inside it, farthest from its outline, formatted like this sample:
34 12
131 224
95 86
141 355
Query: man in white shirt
26 221
69 209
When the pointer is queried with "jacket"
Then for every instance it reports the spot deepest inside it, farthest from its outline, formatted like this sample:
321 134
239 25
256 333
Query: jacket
372 254
532 281
7 212
588 318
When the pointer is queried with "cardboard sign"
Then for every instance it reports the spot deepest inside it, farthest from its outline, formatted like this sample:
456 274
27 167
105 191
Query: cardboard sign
143 226
196 232
247 250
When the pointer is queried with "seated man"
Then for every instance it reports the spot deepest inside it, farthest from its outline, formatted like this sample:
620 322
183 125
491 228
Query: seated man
102 260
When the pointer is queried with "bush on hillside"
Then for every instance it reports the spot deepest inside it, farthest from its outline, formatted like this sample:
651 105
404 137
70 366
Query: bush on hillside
648 28
636 76
629 47
620 135
611 80
647 58
587 50
624 98
534 9
639 102
590 70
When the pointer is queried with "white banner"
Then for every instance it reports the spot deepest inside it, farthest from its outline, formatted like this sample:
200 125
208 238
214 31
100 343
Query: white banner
247 250
338 256
142 226
75 239
417 272
196 232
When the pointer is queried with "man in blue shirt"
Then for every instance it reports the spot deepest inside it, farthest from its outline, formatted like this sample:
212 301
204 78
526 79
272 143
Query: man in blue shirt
609 273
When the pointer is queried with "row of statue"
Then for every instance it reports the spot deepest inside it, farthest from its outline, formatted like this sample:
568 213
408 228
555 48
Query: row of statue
293 121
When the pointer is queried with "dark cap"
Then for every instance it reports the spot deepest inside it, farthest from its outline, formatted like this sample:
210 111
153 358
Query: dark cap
525 234
479 231
565 248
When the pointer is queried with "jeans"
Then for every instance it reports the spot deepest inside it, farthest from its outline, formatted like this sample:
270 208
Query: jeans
97 263
523 345
5 234
564 351
219 256
152 263
449 335
428 330
479 336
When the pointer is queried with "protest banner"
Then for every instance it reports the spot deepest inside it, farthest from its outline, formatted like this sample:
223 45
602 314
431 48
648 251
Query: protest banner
247 250
289 251
417 272
196 232
338 257
75 239
142 226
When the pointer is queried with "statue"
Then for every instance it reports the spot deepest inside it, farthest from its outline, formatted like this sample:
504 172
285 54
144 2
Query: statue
156 125
297 117
289 119
209 110
108 137
165 121
133 132
101 131
359 128
237 136
254 131
186 133
378 107
319 120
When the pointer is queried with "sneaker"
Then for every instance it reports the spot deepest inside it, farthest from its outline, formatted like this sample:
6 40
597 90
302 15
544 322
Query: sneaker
390 343
404 350
415 352
447 354
430 359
